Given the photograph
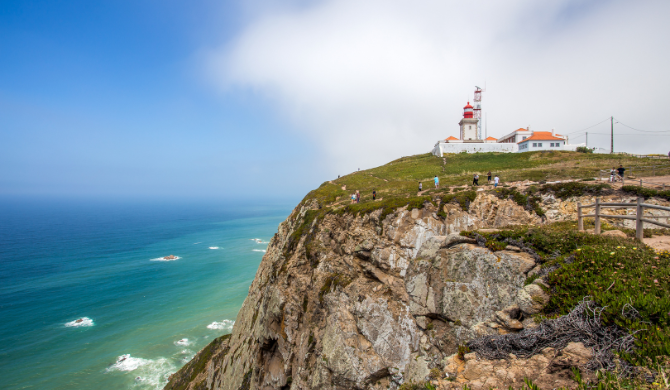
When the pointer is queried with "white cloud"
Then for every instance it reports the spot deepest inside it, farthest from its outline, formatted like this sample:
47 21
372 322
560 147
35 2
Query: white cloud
371 81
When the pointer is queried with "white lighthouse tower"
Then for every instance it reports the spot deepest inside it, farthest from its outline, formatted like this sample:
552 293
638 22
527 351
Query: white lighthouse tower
469 130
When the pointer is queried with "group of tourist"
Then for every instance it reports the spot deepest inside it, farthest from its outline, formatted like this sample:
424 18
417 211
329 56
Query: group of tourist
496 179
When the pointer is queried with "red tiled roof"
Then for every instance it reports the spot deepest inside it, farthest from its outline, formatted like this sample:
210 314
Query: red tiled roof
521 129
491 139
542 136
452 138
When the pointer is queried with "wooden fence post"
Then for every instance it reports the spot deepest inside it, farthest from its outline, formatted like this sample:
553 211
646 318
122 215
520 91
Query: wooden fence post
580 220
639 225
640 183
597 227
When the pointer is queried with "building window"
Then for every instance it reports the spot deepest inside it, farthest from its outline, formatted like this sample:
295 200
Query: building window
535 144
539 144
552 145
524 138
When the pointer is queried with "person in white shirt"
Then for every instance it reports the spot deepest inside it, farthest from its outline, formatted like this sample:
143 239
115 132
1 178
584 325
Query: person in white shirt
496 180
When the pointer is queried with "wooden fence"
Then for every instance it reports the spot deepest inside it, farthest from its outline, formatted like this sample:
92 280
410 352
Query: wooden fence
639 216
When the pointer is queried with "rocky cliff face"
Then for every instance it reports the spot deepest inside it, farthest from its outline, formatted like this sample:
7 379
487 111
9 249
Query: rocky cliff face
361 302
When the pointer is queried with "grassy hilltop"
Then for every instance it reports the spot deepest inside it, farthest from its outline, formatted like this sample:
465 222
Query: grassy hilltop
400 178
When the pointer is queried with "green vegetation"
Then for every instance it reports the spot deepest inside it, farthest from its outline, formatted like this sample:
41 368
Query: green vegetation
583 149
530 202
400 178
190 371
388 206
331 284
462 198
416 386
572 189
646 192
630 280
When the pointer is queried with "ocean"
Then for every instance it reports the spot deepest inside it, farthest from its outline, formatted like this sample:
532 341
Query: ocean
87 302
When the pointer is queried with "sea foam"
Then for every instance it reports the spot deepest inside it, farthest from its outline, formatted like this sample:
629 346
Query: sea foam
259 241
85 321
259 250
213 247
164 259
149 372
223 325
183 342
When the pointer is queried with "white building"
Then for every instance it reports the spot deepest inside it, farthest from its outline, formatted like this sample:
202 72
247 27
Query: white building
469 141
516 136
520 140
542 140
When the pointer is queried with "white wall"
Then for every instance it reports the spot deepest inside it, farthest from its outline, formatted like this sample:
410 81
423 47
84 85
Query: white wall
442 148
546 146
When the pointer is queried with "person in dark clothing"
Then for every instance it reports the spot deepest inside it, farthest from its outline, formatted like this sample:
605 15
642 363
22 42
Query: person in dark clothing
475 180
489 177
621 170
420 186
374 195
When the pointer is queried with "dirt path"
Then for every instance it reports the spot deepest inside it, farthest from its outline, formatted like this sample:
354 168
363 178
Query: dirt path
660 243
655 182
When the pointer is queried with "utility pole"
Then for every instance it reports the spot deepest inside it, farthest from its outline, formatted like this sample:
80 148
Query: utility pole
612 135
587 139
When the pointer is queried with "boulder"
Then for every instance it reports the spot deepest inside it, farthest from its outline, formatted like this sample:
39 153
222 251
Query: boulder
615 233
532 299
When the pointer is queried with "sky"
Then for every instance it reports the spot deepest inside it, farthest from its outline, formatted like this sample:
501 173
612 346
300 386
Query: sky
263 99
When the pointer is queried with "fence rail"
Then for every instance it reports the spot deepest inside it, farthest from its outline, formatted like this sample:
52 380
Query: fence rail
639 216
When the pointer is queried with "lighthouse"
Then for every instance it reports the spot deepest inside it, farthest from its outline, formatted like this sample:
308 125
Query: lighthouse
469 125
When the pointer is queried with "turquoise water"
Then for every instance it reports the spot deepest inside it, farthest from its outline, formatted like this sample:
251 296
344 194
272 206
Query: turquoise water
66 260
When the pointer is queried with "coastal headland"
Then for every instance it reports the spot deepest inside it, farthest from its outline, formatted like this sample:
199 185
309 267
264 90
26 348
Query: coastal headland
457 285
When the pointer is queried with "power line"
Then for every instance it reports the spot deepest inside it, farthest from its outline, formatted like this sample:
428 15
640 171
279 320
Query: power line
579 131
645 131
639 135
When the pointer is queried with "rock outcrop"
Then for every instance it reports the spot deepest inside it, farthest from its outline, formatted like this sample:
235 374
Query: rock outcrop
358 302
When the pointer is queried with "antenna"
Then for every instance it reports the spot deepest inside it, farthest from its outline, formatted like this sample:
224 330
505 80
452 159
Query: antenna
478 110
486 125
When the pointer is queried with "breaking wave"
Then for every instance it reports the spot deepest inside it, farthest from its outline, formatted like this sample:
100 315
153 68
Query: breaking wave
166 258
83 321
151 373
223 325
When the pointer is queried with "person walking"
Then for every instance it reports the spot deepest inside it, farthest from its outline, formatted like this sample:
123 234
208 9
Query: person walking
420 186
358 197
496 181
475 180
374 195
613 175
437 182
353 197
621 170
489 177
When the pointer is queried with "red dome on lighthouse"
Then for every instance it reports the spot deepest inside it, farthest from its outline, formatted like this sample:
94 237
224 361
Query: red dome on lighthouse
467 111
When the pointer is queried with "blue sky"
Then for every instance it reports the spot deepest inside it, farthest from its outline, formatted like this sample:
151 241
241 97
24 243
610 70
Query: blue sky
105 98
269 99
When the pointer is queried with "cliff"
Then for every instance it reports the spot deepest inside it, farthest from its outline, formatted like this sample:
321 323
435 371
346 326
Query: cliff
384 297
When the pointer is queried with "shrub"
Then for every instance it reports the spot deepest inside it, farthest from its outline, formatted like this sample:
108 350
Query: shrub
462 350
572 189
646 192
461 198
628 279
331 284
583 149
